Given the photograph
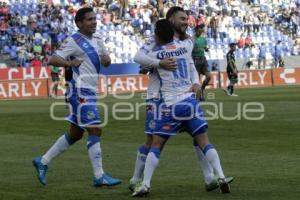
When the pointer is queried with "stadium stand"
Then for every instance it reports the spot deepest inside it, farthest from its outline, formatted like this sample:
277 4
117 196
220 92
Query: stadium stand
26 25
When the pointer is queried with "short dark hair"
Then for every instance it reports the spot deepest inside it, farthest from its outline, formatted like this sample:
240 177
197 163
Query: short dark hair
201 26
164 30
173 10
81 12
232 44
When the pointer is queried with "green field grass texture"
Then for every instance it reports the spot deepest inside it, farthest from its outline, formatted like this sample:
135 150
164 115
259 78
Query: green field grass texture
263 156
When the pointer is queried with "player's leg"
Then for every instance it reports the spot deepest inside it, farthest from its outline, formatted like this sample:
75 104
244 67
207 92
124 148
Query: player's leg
205 72
233 82
230 86
164 126
151 163
197 127
207 170
95 156
61 144
151 112
213 158
139 166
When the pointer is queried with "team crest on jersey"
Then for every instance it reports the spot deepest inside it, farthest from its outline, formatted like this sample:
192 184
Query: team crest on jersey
90 115
85 45
152 124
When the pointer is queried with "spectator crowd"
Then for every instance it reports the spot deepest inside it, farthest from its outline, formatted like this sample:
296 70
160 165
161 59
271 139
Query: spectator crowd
30 30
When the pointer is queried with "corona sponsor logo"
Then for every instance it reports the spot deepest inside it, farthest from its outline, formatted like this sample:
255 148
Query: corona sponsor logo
169 54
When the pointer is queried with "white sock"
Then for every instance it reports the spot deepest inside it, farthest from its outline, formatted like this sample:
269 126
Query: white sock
140 164
61 144
207 170
94 151
213 158
150 165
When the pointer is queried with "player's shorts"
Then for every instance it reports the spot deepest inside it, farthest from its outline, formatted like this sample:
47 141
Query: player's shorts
232 76
201 65
83 108
152 106
187 113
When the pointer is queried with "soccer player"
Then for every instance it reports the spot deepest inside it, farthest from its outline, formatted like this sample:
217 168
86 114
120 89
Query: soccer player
178 106
87 54
200 46
231 70
178 18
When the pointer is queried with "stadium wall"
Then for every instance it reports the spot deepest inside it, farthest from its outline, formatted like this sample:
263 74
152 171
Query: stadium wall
29 83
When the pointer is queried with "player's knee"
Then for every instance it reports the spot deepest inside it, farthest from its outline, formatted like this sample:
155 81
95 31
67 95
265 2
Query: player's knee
94 131
75 137
201 138
159 141
75 132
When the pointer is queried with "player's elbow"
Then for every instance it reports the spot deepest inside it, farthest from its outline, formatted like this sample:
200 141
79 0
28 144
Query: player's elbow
137 58
51 61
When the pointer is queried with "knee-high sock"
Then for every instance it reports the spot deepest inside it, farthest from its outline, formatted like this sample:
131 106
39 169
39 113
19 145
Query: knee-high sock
61 144
94 151
213 158
150 165
207 170
140 163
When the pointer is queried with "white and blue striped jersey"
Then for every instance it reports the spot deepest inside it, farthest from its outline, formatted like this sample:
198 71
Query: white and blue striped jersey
171 86
81 47
175 85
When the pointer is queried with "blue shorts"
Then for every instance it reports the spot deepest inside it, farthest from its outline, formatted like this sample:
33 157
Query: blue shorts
186 113
83 108
152 106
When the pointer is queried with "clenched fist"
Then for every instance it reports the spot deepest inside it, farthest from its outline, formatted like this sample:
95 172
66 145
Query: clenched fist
105 60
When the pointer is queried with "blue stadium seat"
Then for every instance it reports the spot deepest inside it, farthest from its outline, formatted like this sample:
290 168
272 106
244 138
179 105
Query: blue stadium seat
147 33
6 49
111 27
218 41
211 41
98 17
225 41
13 55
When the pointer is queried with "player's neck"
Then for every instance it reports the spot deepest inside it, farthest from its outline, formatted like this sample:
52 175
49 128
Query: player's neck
88 35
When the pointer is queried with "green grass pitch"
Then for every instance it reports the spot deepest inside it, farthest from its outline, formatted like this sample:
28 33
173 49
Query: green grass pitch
263 155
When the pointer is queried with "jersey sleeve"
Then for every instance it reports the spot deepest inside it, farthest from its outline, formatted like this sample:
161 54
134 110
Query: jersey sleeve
66 49
142 57
103 50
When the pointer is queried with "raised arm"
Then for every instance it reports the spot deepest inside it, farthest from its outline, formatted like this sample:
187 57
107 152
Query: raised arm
148 63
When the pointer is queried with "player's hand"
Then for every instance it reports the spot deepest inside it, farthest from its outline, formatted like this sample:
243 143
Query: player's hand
168 64
75 63
143 71
196 88
105 60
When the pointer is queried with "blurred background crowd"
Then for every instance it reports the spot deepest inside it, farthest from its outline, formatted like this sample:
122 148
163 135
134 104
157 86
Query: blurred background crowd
30 30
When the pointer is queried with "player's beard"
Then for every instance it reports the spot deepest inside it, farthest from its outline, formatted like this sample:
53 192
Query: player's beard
180 32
